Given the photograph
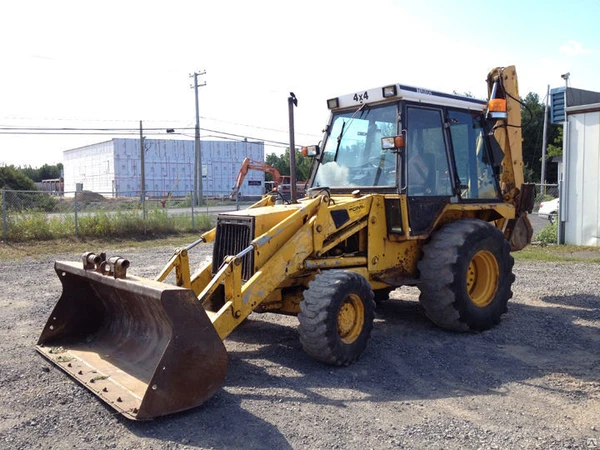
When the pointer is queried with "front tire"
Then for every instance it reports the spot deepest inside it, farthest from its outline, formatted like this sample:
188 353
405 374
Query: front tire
466 276
336 317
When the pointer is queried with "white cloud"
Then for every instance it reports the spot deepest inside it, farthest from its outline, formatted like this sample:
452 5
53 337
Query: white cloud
574 48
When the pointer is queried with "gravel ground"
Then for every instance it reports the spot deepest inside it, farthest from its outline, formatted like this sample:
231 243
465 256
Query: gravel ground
532 382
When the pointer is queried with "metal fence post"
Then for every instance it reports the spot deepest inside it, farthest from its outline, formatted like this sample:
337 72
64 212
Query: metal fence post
192 197
4 226
76 225
144 209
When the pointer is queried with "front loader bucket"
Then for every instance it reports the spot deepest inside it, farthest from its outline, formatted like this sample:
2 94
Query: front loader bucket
145 348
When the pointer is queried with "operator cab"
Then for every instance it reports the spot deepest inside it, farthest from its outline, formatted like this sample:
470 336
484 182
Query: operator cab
434 148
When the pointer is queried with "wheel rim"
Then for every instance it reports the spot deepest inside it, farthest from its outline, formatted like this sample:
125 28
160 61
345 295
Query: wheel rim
482 278
351 318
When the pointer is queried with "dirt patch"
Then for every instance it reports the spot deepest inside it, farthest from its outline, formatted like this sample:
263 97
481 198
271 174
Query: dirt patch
89 196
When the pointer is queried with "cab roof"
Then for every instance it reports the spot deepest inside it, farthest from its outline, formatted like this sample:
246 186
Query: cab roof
404 92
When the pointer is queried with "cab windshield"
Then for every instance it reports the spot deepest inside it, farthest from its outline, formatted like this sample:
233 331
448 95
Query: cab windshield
352 155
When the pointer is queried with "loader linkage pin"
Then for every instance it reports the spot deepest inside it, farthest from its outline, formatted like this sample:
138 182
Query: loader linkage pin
114 266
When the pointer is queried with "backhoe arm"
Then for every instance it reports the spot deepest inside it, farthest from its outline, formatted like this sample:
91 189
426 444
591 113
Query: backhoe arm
248 164
503 85
508 132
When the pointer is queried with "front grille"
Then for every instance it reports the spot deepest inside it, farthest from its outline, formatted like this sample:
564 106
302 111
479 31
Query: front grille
234 234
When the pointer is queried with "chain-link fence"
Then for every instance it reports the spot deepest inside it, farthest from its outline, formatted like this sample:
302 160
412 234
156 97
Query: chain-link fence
30 215
544 192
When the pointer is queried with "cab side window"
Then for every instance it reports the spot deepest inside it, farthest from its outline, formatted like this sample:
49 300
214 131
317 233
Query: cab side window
473 163
428 169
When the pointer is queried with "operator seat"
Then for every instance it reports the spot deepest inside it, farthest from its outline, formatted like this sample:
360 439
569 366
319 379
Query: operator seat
421 176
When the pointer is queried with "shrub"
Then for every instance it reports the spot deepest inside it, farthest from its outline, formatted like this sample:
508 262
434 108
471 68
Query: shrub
26 202
548 234
95 225
159 222
29 226
204 222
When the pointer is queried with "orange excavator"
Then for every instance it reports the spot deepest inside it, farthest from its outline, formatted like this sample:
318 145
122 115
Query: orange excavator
247 165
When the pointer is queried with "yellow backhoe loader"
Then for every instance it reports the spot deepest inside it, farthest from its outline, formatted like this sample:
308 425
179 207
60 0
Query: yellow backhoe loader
409 187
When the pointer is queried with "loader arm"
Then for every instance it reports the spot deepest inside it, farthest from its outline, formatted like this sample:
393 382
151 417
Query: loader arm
291 247
276 260
180 261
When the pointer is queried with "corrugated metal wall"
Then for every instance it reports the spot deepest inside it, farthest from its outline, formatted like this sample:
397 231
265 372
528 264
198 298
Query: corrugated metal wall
169 167
114 167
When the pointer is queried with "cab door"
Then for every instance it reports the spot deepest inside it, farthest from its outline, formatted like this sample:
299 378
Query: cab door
429 185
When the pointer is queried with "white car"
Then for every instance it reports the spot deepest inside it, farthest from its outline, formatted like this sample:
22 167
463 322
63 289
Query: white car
549 209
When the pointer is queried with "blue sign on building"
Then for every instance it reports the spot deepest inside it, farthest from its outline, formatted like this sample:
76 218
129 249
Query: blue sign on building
557 105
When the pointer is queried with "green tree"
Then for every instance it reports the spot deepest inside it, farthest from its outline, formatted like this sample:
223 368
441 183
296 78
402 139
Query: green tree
532 113
555 149
14 179
46 172
282 164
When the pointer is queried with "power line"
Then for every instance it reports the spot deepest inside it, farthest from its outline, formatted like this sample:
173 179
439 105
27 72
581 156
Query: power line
245 136
61 119
66 133
239 138
14 128
187 127
71 131
258 128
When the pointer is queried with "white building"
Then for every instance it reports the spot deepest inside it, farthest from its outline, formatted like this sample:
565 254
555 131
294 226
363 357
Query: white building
113 168
580 209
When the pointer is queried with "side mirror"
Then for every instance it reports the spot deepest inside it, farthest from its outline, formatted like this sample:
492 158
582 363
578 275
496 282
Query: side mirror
392 142
311 151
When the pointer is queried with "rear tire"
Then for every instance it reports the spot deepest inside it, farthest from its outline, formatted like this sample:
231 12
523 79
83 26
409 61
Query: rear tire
336 317
466 276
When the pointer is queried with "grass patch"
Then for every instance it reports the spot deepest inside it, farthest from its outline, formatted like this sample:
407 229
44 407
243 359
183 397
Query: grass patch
17 251
556 253
37 235
38 226
39 249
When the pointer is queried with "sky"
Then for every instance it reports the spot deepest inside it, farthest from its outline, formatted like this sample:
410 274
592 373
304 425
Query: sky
111 64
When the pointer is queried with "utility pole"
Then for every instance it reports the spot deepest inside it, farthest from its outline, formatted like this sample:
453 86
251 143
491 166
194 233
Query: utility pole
143 176
197 153
545 142
562 185
143 168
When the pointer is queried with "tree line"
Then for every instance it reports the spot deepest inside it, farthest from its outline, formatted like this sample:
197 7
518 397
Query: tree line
24 178
532 115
